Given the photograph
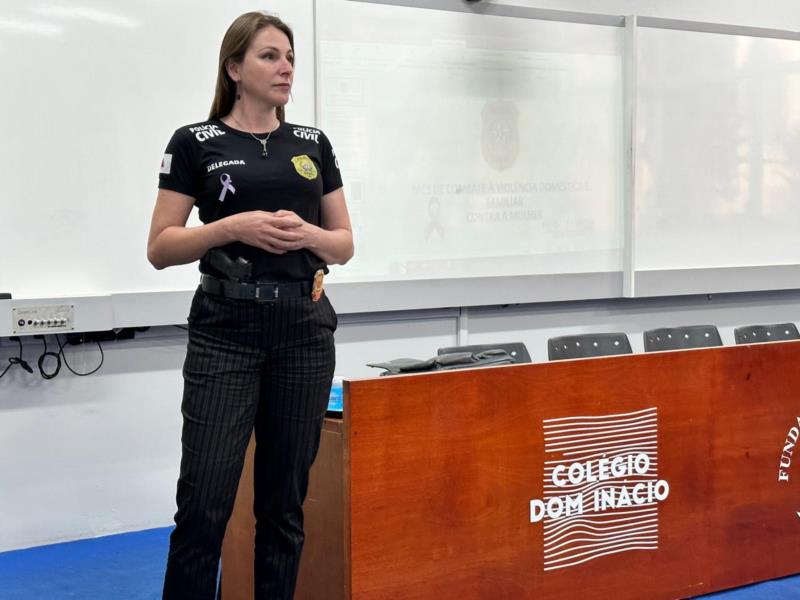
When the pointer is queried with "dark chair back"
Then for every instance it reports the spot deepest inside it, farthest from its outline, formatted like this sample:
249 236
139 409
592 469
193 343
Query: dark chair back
680 338
587 345
755 334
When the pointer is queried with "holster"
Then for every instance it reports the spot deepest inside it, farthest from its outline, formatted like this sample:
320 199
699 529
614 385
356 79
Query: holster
227 268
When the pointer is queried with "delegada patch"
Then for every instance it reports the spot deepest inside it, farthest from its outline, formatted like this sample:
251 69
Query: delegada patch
305 166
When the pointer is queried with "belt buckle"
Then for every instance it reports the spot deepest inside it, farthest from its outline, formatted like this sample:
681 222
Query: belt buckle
316 288
260 299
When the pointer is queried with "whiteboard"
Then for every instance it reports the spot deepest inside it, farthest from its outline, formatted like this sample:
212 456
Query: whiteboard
473 145
93 91
717 152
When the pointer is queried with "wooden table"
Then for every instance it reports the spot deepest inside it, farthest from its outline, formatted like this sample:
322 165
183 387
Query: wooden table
424 490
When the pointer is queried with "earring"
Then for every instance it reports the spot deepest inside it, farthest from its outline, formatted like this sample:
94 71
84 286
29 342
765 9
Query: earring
238 95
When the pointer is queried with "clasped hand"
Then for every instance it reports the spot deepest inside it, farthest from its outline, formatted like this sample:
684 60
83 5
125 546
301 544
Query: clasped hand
277 232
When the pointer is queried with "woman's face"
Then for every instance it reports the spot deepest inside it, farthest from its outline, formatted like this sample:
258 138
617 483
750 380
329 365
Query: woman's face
268 67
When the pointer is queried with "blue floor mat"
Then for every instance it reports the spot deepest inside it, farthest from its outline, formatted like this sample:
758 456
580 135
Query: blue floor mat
130 566
787 588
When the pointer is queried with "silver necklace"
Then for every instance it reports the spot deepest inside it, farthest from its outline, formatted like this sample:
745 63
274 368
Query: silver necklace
263 142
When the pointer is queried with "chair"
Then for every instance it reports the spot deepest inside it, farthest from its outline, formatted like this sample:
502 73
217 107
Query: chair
755 334
680 338
516 350
587 345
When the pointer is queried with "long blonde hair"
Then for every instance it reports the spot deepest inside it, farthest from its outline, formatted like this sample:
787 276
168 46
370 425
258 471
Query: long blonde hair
234 45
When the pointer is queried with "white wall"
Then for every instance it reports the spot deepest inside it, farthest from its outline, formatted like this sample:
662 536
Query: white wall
88 456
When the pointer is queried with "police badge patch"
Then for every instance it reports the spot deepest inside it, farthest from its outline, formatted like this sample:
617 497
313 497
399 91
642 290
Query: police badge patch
500 133
305 166
316 290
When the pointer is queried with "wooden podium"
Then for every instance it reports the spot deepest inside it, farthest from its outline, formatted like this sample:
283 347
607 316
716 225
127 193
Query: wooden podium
662 475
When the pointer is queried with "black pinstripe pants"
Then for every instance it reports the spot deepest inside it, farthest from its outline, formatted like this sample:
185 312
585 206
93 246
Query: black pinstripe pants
249 365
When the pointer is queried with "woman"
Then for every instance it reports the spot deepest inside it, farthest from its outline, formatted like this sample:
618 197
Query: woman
260 353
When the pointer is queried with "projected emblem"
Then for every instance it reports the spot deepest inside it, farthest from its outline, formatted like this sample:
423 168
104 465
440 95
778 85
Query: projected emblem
500 134
601 487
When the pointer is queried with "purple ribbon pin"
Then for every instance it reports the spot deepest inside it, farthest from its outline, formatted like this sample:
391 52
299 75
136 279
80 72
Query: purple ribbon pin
225 180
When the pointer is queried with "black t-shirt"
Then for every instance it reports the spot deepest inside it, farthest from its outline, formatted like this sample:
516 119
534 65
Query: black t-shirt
224 171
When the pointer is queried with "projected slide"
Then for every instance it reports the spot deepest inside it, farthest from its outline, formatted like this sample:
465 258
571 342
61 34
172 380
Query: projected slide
473 145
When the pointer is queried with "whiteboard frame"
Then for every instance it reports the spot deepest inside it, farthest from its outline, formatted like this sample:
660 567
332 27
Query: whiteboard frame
630 100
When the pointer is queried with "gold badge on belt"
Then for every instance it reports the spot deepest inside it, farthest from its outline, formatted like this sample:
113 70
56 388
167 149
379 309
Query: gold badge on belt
316 289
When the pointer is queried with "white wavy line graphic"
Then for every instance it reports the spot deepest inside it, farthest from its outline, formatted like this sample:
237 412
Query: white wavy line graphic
649 527
593 533
596 546
628 440
599 554
592 418
559 526
649 509
651 452
581 431
587 529
643 446
633 533
599 525
601 515
651 424
614 454
584 529
623 452
625 511
600 427
591 444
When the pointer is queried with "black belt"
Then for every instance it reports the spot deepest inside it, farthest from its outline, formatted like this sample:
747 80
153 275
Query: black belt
260 291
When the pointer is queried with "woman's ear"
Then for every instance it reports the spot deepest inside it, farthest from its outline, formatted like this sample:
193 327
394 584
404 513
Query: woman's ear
232 68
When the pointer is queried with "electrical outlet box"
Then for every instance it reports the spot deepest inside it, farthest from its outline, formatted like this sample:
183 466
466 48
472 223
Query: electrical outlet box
43 319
